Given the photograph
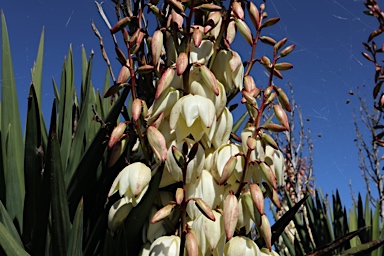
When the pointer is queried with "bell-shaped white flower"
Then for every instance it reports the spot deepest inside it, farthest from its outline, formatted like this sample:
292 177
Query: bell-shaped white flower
206 188
241 246
201 54
132 182
154 231
266 252
210 234
223 129
194 167
192 114
118 213
165 246
244 219
275 159
229 70
163 104
258 152
221 157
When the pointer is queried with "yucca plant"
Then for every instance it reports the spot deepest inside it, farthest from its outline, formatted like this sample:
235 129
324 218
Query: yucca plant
319 229
157 168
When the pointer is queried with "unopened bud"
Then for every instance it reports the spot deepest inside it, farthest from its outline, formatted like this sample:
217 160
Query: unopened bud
283 99
268 40
281 116
179 196
249 83
209 79
265 231
120 25
136 109
176 5
230 214
165 81
270 98
204 208
272 194
238 10
156 46
197 37
229 167
157 142
117 134
162 213
257 197
283 66
270 22
269 140
268 175
145 69
181 63
244 30
117 151
124 75
254 14
191 244
280 44
274 127
120 56
231 32
177 19
265 61
251 143
209 7
248 97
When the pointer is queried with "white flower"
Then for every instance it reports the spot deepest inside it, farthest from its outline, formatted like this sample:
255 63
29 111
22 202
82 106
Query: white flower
165 246
210 234
241 246
132 182
194 167
258 152
193 114
229 70
201 54
118 213
206 188
275 159
163 104
220 158
223 129
266 252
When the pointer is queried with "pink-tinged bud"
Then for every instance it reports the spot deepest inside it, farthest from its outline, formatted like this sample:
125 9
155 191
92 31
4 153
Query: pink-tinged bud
283 99
179 158
209 7
181 63
270 98
268 175
251 143
134 37
176 5
145 69
165 81
274 127
262 7
117 151
231 32
156 46
235 61
158 121
177 19
244 30
213 20
117 134
120 56
265 61
277 73
269 140
254 14
179 196
204 208
265 231
197 37
280 44
124 75
230 214
256 92
136 109
272 194
162 213
270 22
283 66
287 50
191 244
257 197
248 97
140 38
229 167
209 79
157 142
281 116
268 40
249 83
238 10
120 25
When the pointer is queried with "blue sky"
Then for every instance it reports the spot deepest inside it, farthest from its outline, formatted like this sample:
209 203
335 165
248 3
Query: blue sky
327 65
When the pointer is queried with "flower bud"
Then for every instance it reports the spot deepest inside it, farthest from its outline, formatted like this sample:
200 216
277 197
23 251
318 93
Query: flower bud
120 25
254 14
230 215
120 56
197 37
272 194
244 30
165 81
209 79
268 175
179 196
268 40
251 143
287 50
274 127
181 63
156 46
117 133
177 19
117 150
283 99
281 116
265 61
162 213
238 10
213 20
176 5
191 244
283 66
280 44
231 31
257 197
248 97
269 140
157 142
204 208
249 83
179 158
124 75
145 69
136 109
270 98
270 22
229 167
265 231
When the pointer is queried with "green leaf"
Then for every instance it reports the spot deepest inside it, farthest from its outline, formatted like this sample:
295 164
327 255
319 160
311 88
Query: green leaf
12 142
75 246
6 220
239 122
106 101
37 70
363 249
9 243
59 210
89 163
33 165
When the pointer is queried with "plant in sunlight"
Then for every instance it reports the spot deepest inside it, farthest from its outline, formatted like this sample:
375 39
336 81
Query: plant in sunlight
159 165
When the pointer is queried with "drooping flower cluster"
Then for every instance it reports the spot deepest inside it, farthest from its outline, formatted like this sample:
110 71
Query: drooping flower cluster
213 183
